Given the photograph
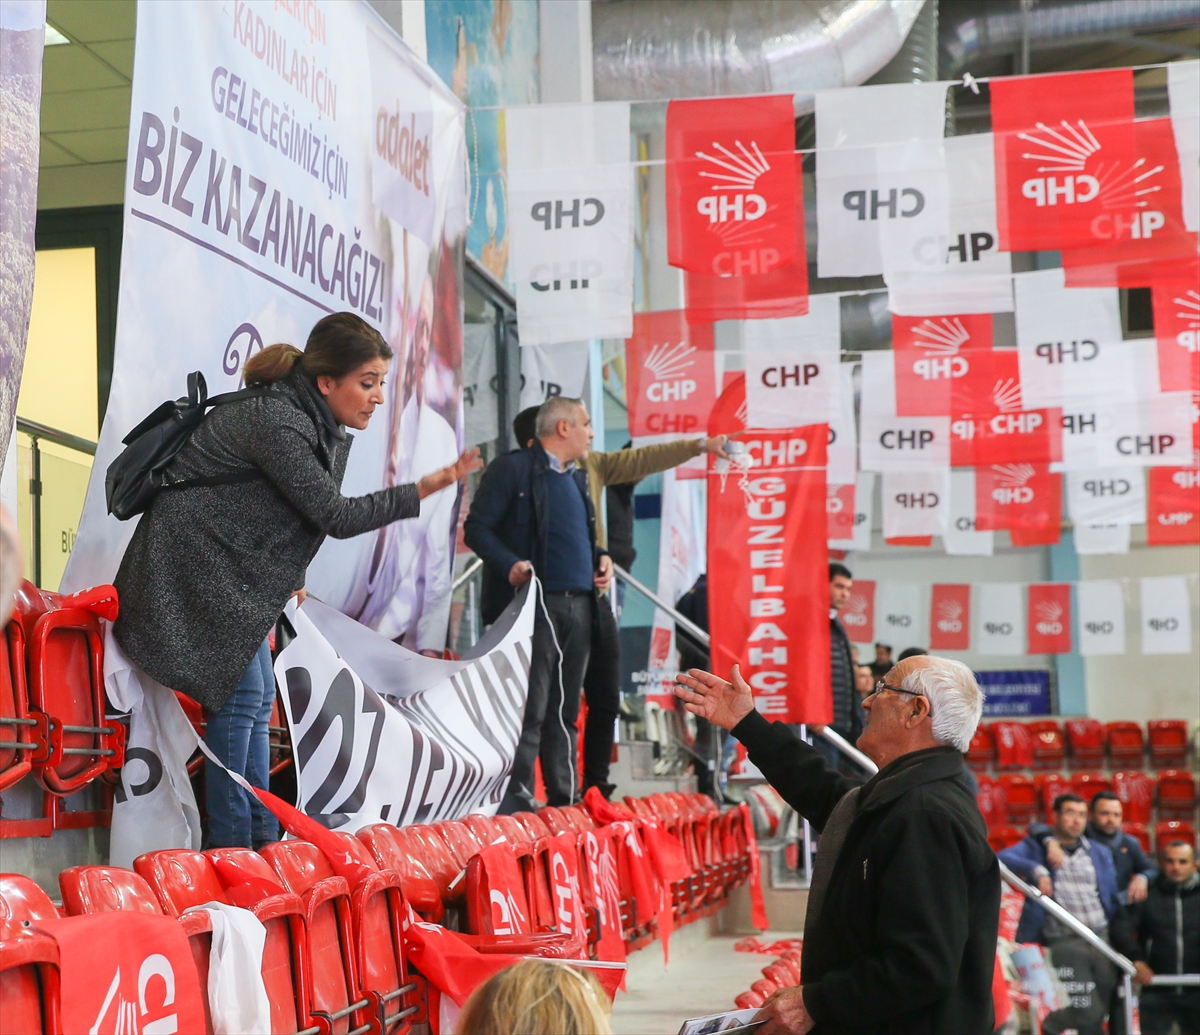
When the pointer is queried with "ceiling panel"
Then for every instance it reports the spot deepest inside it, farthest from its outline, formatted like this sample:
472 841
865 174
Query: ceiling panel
95 145
72 67
118 53
90 21
86 109
52 155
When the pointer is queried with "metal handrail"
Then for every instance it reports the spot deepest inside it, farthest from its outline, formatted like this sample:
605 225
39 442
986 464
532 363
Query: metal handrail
468 571
1176 979
655 599
59 438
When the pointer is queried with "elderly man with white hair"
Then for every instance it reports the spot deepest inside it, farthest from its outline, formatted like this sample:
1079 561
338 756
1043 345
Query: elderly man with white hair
904 904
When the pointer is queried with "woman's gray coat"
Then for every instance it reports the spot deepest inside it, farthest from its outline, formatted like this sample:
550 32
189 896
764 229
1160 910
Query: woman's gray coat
210 568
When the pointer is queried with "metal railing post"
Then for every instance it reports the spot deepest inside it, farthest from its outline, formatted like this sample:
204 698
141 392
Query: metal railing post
654 598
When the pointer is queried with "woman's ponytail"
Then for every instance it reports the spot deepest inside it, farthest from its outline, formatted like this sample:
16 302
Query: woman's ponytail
273 363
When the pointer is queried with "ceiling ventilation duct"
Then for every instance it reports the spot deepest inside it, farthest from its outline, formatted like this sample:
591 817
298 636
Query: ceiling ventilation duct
660 49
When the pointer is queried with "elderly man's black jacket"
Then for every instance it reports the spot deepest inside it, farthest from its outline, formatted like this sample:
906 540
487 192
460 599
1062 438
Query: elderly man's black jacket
906 939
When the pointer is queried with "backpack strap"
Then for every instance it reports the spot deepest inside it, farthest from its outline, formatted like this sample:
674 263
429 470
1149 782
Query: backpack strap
238 396
234 478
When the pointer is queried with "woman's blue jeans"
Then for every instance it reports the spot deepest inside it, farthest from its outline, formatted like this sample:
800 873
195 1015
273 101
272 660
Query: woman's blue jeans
238 735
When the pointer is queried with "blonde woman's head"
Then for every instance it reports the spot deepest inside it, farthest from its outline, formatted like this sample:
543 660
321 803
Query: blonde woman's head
537 997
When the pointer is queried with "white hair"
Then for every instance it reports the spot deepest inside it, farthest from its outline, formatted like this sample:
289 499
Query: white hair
955 700
554 409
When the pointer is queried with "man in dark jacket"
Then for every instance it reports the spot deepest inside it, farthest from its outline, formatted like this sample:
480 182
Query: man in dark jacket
904 905
847 707
1162 936
533 513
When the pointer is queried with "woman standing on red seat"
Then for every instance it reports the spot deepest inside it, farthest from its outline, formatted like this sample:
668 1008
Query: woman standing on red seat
211 566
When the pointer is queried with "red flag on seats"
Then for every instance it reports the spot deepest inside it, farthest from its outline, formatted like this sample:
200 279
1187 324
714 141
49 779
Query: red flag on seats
1173 516
950 617
731 181
931 355
1049 618
758 908
565 892
1065 150
670 375
1017 497
604 893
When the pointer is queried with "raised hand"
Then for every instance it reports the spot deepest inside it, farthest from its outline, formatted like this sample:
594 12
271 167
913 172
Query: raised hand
464 465
721 702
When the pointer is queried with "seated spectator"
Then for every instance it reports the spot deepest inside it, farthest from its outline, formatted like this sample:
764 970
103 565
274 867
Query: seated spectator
883 662
1161 934
537 997
1085 885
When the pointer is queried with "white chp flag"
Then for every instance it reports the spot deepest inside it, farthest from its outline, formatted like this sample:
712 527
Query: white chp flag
1101 539
1107 495
916 503
1000 619
481 401
1183 91
551 370
881 176
681 560
1166 616
570 200
962 538
864 498
1070 350
888 443
966 272
902 613
792 366
842 451
1152 431
1101 604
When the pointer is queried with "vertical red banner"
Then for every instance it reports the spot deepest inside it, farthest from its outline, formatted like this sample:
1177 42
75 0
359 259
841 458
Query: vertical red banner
731 182
1177 330
950 617
1173 514
858 616
933 353
768 583
1017 497
839 509
1049 618
670 375
1065 154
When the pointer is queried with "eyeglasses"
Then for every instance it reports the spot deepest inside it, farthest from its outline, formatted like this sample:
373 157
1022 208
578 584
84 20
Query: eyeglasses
881 686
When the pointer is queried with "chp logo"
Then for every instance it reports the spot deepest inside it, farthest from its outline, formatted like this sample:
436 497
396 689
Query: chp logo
669 363
949 619
124 1014
1049 618
1189 313
855 613
1013 487
736 217
941 342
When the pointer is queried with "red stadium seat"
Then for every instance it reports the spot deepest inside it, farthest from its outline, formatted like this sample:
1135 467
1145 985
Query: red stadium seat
485 828
460 839
1136 791
1049 744
1168 742
23 899
764 987
514 831
1176 794
992 801
1004 837
749 1000
1048 787
29 980
1021 796
1139 831
579 818
181 879
1168 830
981 753
393 848
1014 745
18 738
1088 784
1126 745
556 820
1085 737
533 823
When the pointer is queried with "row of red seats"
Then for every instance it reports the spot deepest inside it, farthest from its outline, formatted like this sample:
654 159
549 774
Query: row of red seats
1017 798
1046 744
1005 835
52 722
784 972
334 960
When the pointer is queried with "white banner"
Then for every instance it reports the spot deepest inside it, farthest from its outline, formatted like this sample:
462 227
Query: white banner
570 196
864 498
902 614
862 183
1101 539
480 395
1101 606
250 214
682 556
916 503
888 443
1000 619
385 735
1166 616
553 370
961 537
1183 91
967 271
1107 495
1153 431
793 366
842 452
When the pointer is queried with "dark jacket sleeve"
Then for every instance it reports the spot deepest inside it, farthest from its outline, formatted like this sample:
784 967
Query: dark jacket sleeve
490 504
1125 931
919 933
795 769
1141 862
286 458
1024 857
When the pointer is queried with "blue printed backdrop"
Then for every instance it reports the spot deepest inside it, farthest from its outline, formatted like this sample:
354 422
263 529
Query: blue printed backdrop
487 52
1015 693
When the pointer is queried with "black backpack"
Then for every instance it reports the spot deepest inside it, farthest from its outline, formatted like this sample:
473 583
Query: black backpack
137 475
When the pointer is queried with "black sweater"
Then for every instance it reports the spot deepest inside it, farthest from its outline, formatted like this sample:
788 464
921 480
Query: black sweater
1156 930
906 939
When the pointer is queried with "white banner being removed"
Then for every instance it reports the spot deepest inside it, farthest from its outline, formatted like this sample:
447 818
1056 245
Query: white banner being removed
382 734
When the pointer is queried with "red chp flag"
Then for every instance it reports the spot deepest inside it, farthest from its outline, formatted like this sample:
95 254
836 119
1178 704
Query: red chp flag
1017 497
931 354
1049 618
731 184
671 378
1173 517
1177 330
950 617
839 509
765 296
858 616
1065 154
767 564
988 424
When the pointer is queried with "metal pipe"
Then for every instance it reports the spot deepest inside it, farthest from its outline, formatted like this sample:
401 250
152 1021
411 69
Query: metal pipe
468 571
653 597
848 749
1176 979
60 438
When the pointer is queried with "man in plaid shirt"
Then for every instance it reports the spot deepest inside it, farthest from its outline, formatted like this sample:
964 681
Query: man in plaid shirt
1086 886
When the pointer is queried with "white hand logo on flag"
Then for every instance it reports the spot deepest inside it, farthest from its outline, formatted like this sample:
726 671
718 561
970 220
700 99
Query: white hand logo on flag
945 338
